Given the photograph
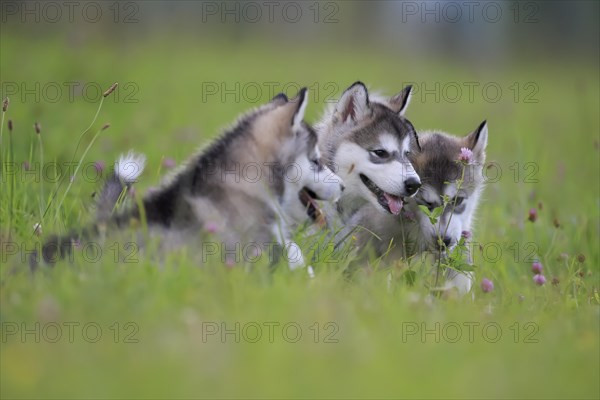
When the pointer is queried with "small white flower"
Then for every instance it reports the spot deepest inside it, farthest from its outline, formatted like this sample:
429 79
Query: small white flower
129 167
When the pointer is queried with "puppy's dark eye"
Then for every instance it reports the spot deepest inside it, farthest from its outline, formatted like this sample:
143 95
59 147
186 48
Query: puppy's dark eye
457 201
381 153
316 164
407 153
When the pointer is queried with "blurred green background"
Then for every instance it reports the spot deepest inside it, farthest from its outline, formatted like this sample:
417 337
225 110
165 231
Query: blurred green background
185 71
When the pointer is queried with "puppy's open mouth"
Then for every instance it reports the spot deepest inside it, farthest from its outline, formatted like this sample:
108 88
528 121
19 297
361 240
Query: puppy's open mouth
389 202
308 199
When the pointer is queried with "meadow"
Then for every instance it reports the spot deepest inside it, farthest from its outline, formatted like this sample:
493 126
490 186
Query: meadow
137 329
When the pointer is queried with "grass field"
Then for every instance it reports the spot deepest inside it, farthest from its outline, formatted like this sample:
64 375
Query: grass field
140 330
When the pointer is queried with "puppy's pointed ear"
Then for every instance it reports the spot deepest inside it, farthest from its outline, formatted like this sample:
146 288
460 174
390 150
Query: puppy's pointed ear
280 99
288 115
354 104
301 101
399 102
477 141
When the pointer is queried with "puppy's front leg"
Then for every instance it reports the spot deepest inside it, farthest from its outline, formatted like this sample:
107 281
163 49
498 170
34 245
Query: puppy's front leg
462 281
291 249
293 253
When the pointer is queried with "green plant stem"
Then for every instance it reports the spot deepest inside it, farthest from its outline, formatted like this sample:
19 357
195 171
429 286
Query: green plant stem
439 262
42 201
2 132
12 185
87 149
61 180
462 178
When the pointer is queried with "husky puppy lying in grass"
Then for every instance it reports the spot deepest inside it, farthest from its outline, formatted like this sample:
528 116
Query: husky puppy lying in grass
237 190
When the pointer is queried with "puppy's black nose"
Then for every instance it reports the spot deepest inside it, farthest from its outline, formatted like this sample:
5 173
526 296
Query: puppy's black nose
447 241
412 185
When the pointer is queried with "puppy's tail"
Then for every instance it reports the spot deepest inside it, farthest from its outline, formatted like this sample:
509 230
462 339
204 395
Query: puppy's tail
127 170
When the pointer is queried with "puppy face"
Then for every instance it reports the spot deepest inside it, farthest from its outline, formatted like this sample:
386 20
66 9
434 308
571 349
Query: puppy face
445 177
369 146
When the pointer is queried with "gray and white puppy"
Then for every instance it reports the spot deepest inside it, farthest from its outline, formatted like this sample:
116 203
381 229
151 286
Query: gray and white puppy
253 184
368 144
442 174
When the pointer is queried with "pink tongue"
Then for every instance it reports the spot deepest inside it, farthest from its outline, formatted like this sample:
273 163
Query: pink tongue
394 203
